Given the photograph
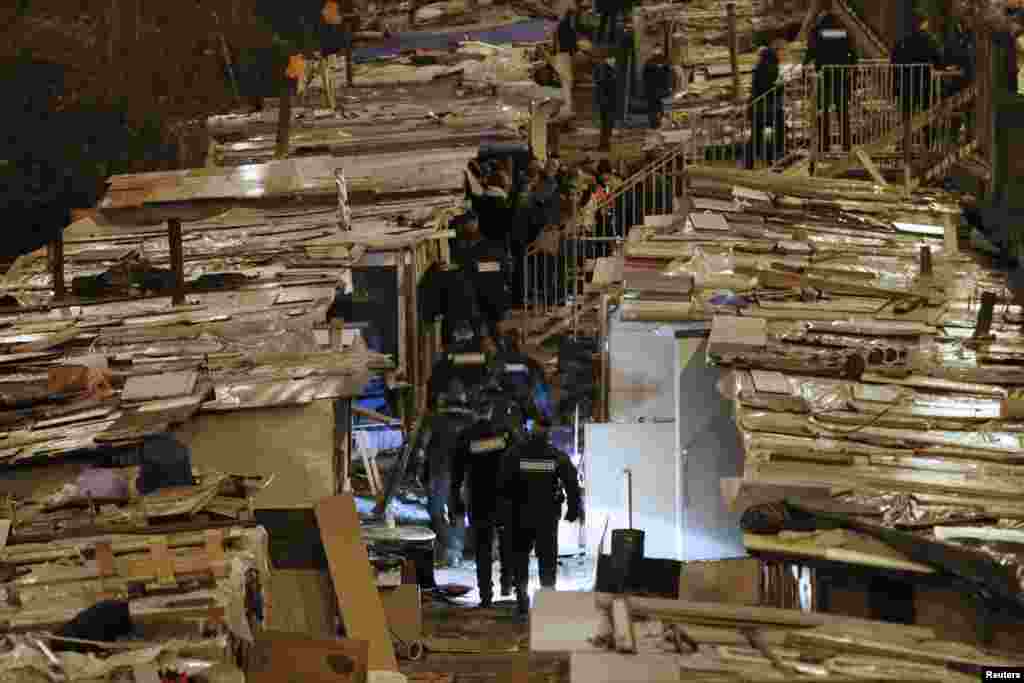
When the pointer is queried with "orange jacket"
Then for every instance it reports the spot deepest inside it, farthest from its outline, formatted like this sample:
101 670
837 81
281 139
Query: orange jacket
296 68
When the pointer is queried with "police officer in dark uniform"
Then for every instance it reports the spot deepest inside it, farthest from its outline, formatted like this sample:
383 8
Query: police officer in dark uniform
486 264
535 479
829 44
450 416
523 378
481 449
456 377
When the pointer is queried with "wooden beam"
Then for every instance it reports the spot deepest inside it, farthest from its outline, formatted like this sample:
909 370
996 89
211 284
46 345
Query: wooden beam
870 166
56 254
177 260
730 10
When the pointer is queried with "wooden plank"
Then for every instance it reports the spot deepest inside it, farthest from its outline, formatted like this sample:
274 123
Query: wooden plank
714 614
354 584
279 657
177 256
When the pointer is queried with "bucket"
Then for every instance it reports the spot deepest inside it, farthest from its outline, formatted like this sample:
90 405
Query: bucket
627 551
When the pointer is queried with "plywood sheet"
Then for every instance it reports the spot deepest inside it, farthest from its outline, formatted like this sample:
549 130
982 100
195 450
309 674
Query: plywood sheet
302 601
294 444
354 584
709 448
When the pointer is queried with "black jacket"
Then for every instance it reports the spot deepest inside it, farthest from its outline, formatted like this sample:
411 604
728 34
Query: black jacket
605 82
480 451
913 85
766 73
568 39
829 44
445 371
657 80
446 428
485 264
532 480
522 379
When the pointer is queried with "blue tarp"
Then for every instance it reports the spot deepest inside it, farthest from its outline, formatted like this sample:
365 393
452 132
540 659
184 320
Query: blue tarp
530 31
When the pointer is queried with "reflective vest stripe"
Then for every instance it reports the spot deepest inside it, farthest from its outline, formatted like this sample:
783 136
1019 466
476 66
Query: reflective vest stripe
537 465
491 445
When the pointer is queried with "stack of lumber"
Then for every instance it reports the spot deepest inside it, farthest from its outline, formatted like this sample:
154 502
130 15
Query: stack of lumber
673 640
858 363
421 122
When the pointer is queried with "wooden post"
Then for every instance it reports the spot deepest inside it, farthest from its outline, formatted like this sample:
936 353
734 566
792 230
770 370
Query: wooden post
730 10
342 445
349 73
177 260
926 261
908 137
413 6
284 121
56 254
988 307
815 141
667 49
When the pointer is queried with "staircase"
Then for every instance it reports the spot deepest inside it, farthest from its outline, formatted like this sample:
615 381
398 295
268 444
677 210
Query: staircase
724 136
559 268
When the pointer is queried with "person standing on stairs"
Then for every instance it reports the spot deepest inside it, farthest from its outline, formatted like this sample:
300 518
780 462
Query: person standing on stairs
766 110
657 86
609 11
606 87
911 57
567 33
830 49
534 480
567 38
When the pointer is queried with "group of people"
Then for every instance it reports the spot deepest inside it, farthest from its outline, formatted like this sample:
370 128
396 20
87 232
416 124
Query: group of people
488 426
657 73
831 50
484 392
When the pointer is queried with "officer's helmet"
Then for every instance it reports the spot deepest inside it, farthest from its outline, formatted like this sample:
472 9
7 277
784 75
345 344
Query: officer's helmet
463 333
454 395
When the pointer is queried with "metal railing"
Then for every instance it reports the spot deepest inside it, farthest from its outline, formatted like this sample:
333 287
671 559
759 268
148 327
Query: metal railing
757 134
817 115
857 105
558 266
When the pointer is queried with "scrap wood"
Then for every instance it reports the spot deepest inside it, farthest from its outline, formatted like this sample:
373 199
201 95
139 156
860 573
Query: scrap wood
831 640
997 577
469 646
715 614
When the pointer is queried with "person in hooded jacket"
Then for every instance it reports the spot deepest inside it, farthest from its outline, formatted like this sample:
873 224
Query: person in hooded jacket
534 479
766 109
